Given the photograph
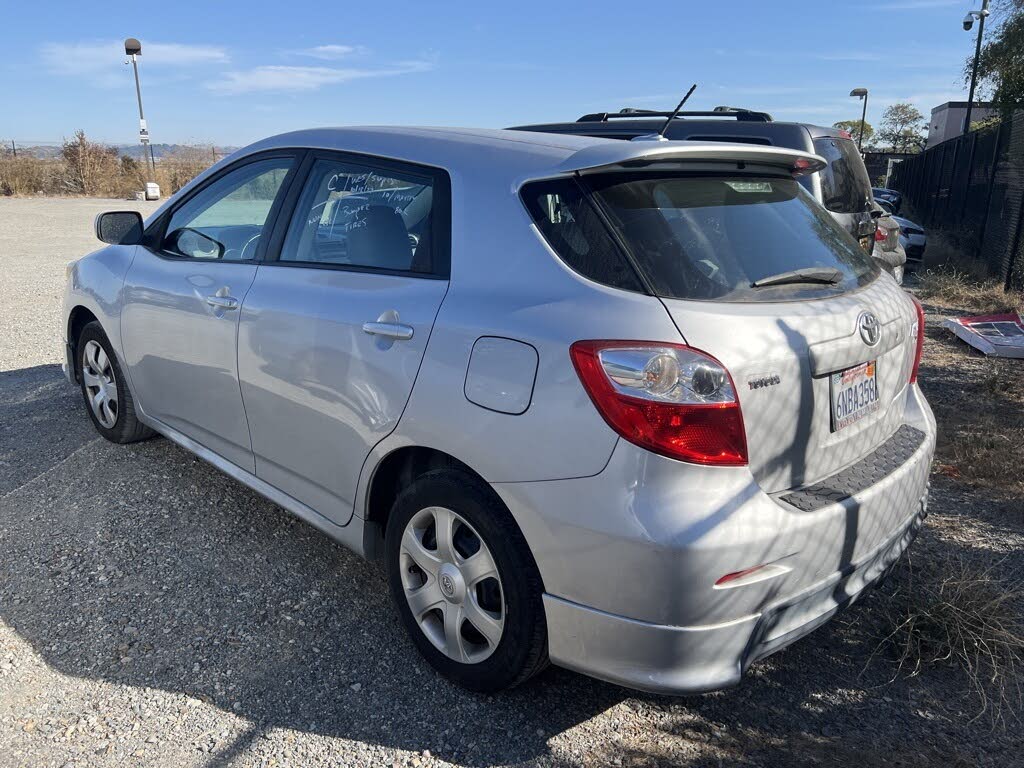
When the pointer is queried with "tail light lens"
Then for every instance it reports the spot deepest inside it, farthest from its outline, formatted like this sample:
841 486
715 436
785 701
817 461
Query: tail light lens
667 398
880 235
917 332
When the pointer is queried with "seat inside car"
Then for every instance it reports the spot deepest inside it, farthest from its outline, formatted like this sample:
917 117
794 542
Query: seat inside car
380 240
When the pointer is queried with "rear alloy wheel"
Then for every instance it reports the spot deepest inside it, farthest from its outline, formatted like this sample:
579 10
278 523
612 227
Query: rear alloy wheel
465 583
451 585
104 389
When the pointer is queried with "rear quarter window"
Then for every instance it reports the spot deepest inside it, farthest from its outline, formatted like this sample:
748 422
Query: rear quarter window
570 224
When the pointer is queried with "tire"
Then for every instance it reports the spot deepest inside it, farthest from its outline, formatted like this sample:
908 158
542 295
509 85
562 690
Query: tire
100 378
512 597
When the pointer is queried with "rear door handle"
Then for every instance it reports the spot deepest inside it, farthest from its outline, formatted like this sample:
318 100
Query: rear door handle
399 331
222 302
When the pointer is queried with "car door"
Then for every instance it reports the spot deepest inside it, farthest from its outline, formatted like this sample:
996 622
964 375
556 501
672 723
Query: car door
182 297
335 324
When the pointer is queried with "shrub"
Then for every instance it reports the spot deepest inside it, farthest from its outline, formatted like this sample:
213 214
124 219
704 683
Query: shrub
85 167
948 610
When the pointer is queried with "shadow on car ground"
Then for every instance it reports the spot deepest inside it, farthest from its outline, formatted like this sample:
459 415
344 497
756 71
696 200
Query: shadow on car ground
143 566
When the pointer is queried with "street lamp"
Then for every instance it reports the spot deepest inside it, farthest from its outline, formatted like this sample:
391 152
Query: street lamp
862 93
133 49
968 23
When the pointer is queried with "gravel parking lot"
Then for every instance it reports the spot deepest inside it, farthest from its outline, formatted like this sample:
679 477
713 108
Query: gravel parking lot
153 612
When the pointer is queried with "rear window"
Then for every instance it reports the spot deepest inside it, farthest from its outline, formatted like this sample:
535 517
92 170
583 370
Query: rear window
845 186
696 237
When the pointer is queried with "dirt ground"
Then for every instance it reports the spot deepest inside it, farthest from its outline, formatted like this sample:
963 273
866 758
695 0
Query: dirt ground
155 613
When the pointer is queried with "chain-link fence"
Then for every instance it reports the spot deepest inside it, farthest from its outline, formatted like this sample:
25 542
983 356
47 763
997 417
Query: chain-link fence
971 189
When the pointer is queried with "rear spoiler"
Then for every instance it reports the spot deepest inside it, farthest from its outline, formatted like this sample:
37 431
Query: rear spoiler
624 154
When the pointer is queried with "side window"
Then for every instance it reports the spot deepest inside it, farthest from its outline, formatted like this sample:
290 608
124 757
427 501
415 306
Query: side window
573 230
225 219
355 215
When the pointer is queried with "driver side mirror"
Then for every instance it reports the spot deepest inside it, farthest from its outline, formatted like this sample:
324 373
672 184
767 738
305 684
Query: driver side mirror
194 244
119 227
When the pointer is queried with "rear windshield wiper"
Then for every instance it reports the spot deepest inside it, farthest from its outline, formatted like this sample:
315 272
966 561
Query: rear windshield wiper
826 275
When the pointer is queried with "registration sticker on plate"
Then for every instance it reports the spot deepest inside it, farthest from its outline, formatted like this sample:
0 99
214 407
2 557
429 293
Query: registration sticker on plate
854 394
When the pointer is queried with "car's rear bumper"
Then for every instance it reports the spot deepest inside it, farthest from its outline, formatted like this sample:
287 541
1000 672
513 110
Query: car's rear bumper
680 660
632 559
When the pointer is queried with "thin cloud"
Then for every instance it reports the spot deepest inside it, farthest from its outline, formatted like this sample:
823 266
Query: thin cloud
102 62
331 52
281 78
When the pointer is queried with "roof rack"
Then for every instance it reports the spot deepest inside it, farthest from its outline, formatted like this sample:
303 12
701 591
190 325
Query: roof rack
743 115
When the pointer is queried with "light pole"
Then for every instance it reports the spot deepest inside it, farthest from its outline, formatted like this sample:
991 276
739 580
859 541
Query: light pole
968 23
861 93
133 49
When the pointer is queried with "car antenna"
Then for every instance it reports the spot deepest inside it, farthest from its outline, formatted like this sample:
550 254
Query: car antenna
676 112
660 135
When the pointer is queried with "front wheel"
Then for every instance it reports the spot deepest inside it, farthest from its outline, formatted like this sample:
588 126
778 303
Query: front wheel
465 583
104 389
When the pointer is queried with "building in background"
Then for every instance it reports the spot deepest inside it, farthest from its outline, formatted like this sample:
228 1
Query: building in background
947 120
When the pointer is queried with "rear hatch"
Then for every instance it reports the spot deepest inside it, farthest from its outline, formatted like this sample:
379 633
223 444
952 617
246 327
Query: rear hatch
788 362
756 274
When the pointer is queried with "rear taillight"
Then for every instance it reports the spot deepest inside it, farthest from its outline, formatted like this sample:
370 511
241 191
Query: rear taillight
803 166
917 334
667 398
880 235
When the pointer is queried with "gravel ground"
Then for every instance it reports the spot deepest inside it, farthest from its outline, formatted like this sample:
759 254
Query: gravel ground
154 613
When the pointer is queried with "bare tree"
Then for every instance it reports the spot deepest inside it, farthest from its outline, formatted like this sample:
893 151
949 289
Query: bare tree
91 168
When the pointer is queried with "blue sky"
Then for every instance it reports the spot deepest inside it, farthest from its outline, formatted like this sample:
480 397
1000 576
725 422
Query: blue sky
232 71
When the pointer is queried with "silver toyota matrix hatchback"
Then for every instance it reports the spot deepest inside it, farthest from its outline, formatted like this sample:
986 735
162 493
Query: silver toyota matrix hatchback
639 408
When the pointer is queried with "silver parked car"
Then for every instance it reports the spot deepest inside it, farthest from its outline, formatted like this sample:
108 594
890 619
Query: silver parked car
639 408
913 239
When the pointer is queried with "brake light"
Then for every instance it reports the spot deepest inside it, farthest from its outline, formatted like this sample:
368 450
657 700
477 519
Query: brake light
803 166
845 134
667 398
917 332
880 235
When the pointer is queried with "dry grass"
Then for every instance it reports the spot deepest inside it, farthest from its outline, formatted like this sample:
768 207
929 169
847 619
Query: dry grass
87 168
986 452
951 287
948 611
978 401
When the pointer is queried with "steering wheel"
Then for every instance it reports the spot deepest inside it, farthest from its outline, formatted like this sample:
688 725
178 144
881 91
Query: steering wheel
250 241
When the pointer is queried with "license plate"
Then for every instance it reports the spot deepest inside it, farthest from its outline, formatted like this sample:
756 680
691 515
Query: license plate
854 394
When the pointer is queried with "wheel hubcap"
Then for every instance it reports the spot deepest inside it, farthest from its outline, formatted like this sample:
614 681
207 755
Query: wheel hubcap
100 384
452 586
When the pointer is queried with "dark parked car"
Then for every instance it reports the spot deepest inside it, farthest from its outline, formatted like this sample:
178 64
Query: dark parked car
843 187
890 196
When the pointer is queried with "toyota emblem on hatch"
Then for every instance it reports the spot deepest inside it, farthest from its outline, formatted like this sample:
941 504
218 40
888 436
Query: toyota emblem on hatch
870 328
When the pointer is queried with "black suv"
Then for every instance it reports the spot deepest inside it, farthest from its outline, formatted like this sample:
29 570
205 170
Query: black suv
843 187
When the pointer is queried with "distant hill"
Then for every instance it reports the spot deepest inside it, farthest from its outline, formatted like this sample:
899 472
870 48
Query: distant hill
160 150
137 151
